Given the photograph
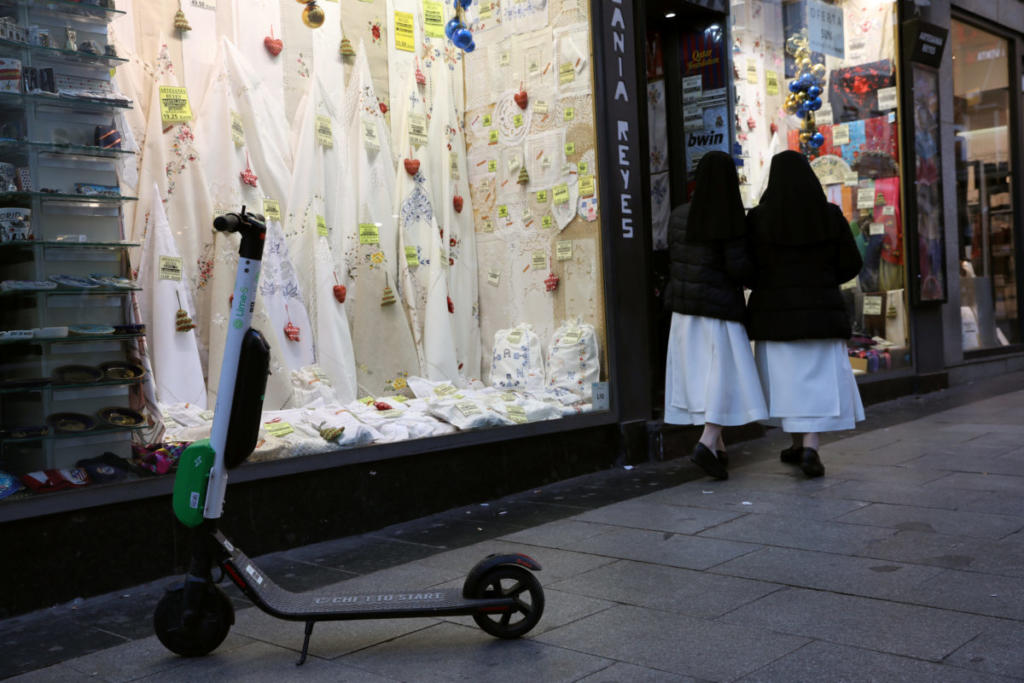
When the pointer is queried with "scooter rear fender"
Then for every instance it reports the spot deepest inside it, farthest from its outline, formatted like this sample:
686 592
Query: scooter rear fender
485 565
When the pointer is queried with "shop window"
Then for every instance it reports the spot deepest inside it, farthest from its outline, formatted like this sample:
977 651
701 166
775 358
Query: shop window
842 58
984 139
433 261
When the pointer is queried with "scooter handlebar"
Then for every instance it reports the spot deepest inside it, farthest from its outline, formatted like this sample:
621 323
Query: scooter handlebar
252 227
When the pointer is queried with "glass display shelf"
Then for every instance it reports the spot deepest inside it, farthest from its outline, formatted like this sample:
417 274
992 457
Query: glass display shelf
61 53
73 339
64 197
99 430
61 149
17 98
61 291
65 244
44 385
68 9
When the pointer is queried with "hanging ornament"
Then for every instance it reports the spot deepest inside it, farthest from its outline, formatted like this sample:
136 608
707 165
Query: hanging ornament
290 331
521 98
457 29
381 405
313 16
457 203
329 433
420 78
551 282
273 45
339 290
387 297
451 305
524 176
247 176
346 48
182 321
181 21
412 166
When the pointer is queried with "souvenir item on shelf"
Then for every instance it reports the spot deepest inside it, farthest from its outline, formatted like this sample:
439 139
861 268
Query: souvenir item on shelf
75 374
56 332
130 329
273 45
119 369
89 47
9 485
63 423
122 417
70 39
90 330
7 183
107 137
26 285
23 179
94 190
29 431
112 281
10 75
45 481
15 335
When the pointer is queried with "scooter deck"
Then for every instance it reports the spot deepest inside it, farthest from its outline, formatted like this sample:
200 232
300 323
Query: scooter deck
323 606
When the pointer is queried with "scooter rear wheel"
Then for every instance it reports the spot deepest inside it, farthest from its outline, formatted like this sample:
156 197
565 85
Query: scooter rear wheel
517 583
210 629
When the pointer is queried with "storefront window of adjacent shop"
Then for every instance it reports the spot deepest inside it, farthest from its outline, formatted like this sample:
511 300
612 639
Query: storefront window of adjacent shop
432 261
704 65
820 78
983 144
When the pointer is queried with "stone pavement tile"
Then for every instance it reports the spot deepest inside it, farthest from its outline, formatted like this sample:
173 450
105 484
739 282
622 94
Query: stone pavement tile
36 643
909 517
361 554
672 642
739 500
996 651
897 453
617 673
797 532
847 468
298 575
1002 557
994 503
829 572
786 480
968 461
645 514
680 591
865 440
330 639
819 661
444 531
558 534
514 511
127 613
658 547
560 608
924 496
974 592
555 564
57 672
450 652
980 482
262 663
921 632
141 658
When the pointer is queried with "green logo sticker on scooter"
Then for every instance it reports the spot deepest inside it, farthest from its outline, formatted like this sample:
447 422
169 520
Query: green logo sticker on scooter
190 483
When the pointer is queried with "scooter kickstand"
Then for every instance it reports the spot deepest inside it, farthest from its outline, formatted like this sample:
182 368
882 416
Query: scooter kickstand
305 643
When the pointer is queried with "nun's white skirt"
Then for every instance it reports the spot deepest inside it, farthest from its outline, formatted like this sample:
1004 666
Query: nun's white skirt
710 374
809 385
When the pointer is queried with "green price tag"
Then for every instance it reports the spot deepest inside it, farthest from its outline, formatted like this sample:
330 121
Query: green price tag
369 233
542 196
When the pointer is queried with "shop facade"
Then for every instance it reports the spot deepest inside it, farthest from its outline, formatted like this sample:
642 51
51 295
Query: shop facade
465 249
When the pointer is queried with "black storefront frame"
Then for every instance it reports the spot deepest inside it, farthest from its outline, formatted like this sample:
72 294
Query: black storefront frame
1016 103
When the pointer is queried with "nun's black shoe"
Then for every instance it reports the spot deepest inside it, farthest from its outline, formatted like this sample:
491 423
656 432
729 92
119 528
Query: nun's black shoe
791 455
810 463
723 458
705 459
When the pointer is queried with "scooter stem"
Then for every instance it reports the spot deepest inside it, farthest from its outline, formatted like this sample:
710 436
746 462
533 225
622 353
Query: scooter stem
250 254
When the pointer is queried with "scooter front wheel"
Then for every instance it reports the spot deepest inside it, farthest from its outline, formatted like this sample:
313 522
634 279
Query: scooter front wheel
509 581
207 631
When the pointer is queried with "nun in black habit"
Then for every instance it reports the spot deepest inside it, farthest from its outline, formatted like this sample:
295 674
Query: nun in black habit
710 376
803 250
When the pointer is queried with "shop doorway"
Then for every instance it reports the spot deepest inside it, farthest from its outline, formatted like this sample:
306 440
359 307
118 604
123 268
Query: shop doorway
688 115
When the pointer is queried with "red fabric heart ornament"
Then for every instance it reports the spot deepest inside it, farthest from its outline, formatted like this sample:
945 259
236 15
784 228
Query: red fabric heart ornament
273 45
412 166
340 293
522 99
457 203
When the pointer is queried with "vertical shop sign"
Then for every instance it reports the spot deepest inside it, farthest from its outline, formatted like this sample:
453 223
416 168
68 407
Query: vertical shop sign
620 75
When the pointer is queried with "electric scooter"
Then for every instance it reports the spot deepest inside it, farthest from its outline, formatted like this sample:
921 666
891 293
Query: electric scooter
194 615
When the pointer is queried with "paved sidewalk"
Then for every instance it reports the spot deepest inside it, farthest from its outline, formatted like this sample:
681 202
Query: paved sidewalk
905 562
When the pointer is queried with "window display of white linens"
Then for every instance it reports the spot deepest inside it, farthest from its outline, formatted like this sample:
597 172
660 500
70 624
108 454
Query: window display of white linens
466 412
574 361
309 384
519 407
305 437
391 416
516 360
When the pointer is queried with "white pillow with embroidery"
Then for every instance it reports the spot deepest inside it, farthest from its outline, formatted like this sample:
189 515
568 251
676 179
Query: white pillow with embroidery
517 361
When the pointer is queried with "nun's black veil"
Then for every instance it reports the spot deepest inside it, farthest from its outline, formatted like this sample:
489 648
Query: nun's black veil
793 208
716 210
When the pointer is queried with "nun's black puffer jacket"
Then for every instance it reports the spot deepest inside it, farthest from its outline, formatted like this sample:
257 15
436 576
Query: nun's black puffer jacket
706 278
